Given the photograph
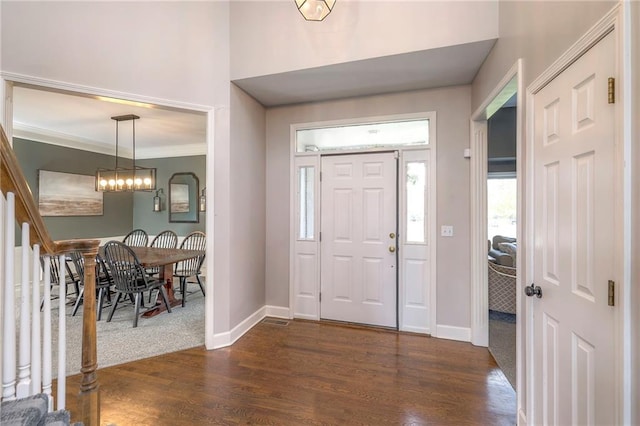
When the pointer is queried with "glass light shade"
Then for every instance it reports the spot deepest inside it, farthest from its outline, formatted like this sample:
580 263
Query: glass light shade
157 201
122 180
315 10
202 205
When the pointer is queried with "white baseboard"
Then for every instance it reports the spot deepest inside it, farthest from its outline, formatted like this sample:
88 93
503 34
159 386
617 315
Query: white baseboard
278 311
418 330
450 332
228 338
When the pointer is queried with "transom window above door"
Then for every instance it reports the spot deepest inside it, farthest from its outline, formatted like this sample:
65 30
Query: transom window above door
364 136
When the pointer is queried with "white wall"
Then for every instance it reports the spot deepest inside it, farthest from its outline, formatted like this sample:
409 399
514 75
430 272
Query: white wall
174 51
452 106
270 37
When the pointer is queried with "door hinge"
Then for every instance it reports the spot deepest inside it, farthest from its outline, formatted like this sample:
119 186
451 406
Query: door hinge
320 294
612 293
320 176
611 90
320 236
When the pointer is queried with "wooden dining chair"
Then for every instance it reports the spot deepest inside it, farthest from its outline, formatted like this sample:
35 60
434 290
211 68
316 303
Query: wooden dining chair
191 267
165 239
71 279
130 277
104 281
136 238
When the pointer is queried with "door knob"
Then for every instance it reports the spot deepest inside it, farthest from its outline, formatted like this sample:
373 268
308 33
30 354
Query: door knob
392 235
392 249
533 290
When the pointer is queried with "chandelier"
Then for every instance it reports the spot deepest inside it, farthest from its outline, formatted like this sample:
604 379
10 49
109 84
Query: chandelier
123 179
315 10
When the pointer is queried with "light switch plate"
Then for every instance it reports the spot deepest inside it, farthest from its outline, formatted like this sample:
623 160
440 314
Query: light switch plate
446 231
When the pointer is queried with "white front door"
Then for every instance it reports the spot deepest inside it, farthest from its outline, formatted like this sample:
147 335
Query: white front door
574 230
358 243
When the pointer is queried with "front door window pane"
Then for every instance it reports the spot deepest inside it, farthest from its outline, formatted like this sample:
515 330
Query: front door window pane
306 177
416 185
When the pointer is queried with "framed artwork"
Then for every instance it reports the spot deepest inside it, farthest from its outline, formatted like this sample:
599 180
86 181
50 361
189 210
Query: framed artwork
179 198
68 194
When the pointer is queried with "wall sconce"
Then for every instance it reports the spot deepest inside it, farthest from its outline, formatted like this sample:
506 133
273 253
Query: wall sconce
203 200
157 201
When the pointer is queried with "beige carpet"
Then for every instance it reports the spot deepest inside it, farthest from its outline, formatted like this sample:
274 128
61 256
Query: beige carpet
502 344
119 342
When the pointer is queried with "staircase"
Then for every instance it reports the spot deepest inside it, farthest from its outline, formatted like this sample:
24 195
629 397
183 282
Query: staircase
33 410
26 352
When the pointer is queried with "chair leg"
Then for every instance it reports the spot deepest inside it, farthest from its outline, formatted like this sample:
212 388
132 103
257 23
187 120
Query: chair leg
101 301
77 304
163 292
137 309
183 289
200 284
113 308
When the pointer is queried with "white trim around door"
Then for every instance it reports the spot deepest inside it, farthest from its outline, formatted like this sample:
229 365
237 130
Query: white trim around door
417 278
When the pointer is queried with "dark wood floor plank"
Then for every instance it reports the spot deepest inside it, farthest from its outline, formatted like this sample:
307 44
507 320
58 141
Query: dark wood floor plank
309 373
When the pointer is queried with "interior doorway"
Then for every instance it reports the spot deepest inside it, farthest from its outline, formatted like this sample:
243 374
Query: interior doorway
502 197
502 95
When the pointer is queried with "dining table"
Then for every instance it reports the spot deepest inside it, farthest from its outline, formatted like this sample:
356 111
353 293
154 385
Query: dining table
164 259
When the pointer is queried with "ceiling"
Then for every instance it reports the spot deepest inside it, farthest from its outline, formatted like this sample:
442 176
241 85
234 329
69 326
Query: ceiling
425 69
84 122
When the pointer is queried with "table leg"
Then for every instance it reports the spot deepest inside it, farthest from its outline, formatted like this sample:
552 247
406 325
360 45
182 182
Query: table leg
166 273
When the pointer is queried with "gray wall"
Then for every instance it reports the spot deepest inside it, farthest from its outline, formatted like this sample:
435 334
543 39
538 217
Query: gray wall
452 106
117 218
501 140
143 215
247 260
537 31
122 211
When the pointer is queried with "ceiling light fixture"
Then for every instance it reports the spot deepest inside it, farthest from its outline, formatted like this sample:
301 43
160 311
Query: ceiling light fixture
315 10
123 179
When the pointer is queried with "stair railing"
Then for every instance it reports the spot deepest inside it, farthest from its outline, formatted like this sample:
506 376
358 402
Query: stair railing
31 371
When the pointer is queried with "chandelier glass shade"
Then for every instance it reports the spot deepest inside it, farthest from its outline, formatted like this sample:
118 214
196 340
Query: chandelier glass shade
126 179
315 10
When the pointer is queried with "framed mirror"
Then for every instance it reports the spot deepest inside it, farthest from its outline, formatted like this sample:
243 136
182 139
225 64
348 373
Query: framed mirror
183 197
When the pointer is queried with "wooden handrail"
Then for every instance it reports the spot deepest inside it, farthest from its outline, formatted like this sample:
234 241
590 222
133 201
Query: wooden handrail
12 180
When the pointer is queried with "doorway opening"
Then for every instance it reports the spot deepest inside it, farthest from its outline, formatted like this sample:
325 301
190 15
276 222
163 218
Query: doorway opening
67 151
503 166
502 197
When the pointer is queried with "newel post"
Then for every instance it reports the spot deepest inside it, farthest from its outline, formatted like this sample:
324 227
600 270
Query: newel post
89 397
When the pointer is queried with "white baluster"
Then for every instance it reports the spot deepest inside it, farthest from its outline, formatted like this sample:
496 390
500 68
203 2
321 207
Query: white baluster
24 361
62 333
46 333
36 333
9 323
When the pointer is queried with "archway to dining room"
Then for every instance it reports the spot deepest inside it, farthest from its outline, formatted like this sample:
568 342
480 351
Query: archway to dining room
49 144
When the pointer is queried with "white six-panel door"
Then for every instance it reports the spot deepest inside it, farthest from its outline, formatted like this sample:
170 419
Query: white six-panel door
358 280
574 247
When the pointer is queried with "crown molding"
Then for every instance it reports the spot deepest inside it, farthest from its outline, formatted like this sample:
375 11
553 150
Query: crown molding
52 137
37 134
187 150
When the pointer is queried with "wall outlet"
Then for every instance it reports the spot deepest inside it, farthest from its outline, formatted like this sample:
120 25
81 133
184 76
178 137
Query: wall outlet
446 231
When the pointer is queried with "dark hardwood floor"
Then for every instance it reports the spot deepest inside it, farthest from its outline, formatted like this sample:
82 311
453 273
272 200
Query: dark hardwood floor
310 373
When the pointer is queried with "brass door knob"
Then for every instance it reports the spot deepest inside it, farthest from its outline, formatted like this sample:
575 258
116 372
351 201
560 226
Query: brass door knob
392 235
392 249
